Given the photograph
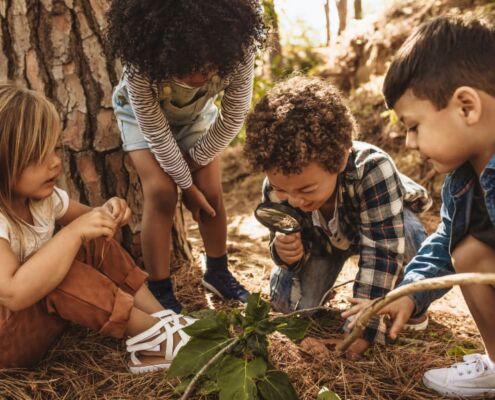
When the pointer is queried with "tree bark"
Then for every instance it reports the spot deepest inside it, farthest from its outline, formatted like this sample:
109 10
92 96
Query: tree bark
56 47
273 63
327 21
358 9
342 9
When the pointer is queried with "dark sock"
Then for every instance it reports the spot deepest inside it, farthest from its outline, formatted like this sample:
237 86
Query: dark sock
217 262
162 285
164 293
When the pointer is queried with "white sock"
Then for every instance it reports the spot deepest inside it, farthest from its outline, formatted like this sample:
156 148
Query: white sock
489 362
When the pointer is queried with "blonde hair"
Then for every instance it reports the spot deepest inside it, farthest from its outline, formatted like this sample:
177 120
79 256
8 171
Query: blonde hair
29 124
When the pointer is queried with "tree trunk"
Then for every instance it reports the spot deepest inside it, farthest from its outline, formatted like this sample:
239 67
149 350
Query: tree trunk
56 47
342 9
273 63
327 21
358 9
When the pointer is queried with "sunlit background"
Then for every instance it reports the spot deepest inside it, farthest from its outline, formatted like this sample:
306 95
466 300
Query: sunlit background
306 18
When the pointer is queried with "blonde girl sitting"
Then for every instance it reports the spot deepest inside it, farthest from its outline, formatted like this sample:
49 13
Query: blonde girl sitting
78 275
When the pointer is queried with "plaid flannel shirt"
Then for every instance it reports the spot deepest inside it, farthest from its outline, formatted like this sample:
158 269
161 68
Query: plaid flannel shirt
370 200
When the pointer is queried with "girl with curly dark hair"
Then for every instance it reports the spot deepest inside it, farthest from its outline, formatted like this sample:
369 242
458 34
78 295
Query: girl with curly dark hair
178 55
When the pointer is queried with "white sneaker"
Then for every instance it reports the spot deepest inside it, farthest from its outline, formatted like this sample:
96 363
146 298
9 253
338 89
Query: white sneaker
471 378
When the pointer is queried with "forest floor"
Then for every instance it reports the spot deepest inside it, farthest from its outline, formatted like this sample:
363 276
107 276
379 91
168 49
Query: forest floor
392 372
86 365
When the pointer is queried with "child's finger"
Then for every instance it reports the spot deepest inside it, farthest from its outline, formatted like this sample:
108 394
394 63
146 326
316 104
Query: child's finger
293 246
399 322
287 239
290 253
127 216
207 208
350 311
354 300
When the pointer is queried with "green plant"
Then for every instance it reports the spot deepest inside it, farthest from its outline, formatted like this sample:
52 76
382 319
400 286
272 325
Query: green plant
228 354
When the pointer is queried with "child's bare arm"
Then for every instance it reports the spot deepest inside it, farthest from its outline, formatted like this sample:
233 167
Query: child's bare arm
22 285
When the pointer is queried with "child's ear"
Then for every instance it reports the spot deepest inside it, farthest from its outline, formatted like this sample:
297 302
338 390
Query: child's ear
468 103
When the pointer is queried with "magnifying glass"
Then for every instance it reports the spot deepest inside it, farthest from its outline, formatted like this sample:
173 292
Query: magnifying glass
283 218
279 217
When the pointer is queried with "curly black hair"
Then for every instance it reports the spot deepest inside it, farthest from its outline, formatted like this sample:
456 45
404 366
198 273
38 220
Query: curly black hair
299 121
174 38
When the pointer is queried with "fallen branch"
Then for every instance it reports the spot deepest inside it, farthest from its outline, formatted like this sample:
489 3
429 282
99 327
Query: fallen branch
420 286
212 361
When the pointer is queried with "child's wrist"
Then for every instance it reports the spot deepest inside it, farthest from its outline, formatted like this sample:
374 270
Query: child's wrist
74 234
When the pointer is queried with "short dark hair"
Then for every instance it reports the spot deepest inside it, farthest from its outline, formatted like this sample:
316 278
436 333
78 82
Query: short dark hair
440 56
299 121
162 39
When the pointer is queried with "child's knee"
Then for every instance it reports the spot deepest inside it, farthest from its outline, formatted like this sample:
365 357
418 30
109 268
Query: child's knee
161 198
472 255
215 198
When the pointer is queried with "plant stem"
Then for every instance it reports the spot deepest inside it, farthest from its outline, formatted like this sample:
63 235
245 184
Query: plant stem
212 361
420 286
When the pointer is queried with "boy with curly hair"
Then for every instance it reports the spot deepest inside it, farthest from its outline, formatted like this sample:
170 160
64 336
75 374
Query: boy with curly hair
178 56
301 136
442 86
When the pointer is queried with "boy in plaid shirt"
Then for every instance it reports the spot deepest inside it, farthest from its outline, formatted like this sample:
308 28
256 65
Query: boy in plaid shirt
300 135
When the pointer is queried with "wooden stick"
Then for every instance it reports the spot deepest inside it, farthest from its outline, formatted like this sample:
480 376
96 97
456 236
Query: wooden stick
212 361
420 286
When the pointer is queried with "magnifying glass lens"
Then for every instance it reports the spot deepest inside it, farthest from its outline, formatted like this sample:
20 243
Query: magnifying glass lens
277 220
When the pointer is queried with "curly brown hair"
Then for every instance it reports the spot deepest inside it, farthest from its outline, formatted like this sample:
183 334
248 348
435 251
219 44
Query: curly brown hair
299 121
174 38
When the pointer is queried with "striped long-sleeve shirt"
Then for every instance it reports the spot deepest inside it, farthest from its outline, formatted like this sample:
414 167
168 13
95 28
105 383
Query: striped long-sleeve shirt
144 99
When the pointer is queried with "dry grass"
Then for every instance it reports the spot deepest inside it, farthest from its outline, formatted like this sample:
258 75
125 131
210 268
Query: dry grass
84 365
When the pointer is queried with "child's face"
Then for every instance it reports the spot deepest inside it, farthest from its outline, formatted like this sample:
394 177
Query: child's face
308 190
37 181
440 135
197 79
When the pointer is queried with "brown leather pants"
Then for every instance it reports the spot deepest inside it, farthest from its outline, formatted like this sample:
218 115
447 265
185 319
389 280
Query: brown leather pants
96 293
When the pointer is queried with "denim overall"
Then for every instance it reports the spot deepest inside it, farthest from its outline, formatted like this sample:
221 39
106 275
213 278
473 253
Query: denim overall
189 111
434 256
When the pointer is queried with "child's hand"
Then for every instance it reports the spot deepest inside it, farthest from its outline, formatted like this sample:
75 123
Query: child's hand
119 210
356 310
356 349
195 201
399 312
289 247
93 224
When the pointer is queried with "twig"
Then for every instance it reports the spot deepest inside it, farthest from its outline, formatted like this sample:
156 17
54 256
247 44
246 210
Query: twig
212 361
306 311
421 286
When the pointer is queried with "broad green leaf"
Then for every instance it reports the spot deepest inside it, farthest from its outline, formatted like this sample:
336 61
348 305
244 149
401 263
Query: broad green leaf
294 328
256 309
258 345
196 353
236 318
208 387
216 327
327 394
200 314
182 386
237 378
277 386
265 327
